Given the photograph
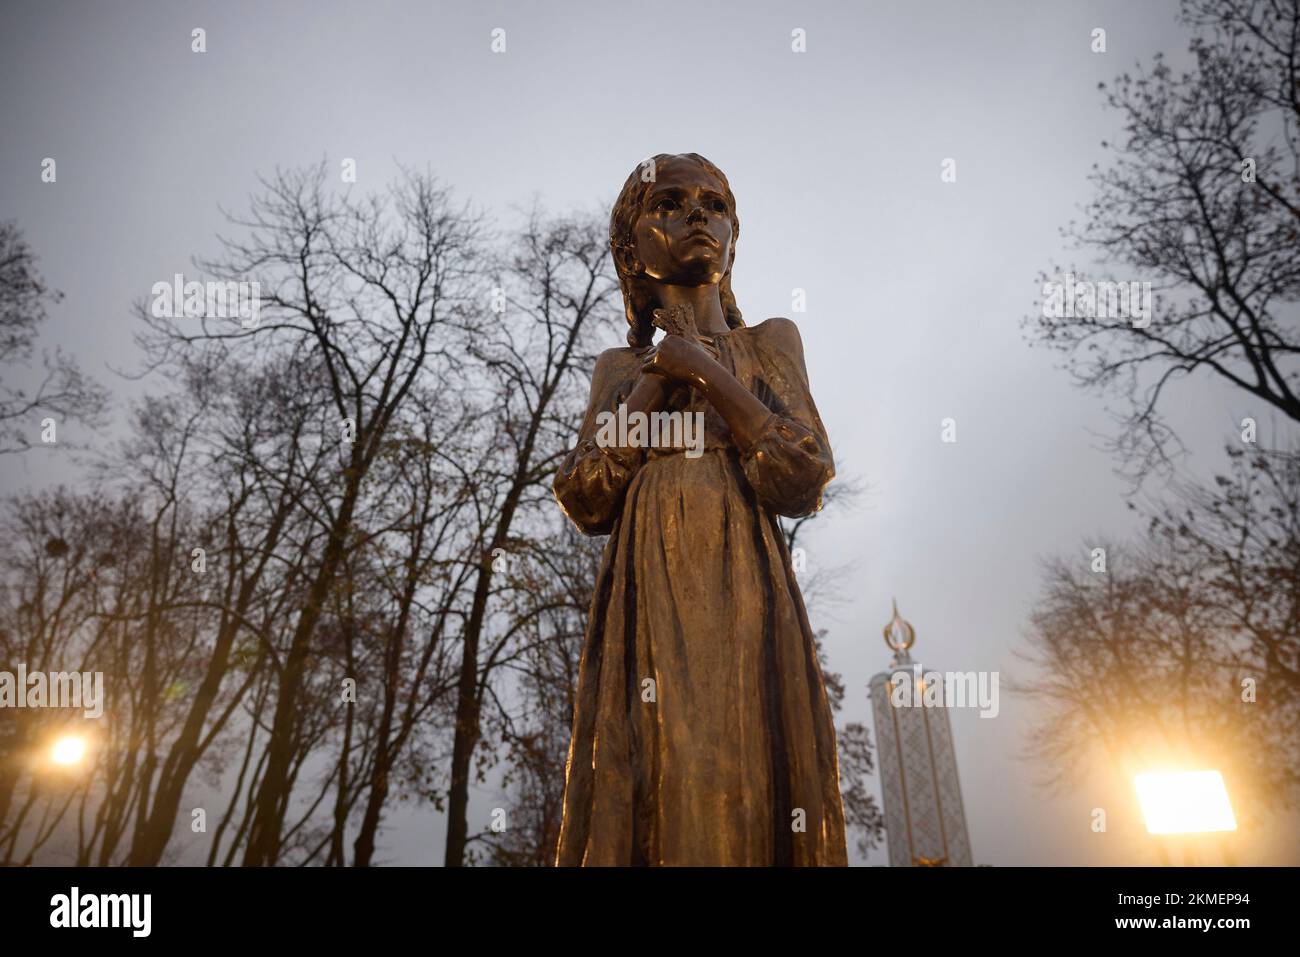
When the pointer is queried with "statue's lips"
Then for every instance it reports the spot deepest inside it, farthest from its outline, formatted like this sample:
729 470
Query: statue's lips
701 235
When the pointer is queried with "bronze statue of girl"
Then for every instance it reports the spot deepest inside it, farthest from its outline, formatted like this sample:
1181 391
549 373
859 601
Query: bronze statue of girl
702 734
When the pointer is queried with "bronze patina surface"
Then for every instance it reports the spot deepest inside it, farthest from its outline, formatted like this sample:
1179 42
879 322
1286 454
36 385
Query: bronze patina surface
702 733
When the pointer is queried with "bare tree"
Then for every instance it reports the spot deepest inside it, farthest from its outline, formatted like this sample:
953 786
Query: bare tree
551 582
59 547
422 575
367 290
1245 529
1202 198
1184 648
63 388
559 290
325 571
252 454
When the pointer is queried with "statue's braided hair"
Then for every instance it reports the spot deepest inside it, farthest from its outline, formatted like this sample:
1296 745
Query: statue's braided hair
637 302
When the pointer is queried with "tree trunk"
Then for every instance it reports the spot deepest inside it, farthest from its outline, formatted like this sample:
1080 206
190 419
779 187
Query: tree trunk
263 847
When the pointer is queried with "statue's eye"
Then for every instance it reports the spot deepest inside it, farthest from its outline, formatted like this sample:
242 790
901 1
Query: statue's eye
667 203
719 206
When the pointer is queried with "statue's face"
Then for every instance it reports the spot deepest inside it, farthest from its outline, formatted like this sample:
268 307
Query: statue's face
683 235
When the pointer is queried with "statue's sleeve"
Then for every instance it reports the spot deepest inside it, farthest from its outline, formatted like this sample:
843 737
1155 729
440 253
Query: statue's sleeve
790 463
592 479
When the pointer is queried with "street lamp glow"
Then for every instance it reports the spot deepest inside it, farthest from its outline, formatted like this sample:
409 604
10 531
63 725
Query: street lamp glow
1184 802
68 750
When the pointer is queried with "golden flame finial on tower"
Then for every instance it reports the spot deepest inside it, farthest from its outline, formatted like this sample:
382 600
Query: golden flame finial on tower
899 635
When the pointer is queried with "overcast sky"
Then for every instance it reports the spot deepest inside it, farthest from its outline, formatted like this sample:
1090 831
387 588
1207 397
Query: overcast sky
915 287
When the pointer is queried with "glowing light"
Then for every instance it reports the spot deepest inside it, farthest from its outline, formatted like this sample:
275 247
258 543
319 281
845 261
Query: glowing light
1184 802
68 750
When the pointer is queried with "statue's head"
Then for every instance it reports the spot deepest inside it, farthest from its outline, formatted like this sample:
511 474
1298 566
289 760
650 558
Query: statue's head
674 224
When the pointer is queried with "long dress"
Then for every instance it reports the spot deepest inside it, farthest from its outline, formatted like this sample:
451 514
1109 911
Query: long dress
702 734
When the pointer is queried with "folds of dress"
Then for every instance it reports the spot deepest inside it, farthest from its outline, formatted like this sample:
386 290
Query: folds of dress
702 734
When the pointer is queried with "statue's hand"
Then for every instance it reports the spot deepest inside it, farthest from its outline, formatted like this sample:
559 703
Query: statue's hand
681 360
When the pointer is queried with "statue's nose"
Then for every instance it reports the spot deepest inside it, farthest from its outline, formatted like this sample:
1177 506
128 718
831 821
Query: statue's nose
696 215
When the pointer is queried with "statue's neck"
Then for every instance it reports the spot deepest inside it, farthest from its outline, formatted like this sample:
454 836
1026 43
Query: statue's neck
705 301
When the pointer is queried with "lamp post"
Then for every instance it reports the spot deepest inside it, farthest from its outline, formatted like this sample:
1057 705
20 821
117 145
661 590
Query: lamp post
68 750
1179 805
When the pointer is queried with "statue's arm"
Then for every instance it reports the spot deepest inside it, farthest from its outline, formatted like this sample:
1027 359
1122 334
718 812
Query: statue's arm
783 445
790 464
592 479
